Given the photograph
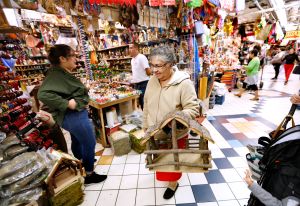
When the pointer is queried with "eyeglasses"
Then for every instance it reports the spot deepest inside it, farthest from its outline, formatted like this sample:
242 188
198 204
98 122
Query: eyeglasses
159 67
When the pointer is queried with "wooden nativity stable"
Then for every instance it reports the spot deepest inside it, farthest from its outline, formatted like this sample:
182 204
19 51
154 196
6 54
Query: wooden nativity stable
162 151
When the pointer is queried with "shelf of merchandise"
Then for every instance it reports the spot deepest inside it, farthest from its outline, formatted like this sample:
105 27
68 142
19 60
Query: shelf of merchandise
30 65
116 59
110 48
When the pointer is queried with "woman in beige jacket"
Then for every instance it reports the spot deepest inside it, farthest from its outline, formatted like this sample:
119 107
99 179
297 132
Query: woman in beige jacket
168 90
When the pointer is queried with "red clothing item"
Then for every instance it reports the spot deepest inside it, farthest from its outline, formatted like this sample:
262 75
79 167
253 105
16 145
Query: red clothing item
172 176
288 68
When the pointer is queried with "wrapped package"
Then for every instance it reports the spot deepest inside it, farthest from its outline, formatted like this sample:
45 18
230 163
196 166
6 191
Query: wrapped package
17 164
136 138
9 141
120 143
31 181
23 197
14 151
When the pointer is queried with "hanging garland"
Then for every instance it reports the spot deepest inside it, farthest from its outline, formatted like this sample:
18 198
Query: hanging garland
85 49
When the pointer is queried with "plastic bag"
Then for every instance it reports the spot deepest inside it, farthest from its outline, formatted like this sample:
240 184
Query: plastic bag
14 151
33 180
17 164
9 141
26 196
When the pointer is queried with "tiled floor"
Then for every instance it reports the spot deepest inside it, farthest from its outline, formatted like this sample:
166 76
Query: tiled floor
232 125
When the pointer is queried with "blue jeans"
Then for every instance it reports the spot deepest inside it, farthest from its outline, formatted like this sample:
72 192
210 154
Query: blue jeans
82 135
142 87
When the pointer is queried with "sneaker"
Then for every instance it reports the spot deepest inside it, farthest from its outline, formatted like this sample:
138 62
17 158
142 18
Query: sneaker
285 83
94 178
274 78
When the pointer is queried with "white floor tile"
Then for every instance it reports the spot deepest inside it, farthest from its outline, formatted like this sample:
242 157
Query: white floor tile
241 171
119 160
126 197
184 180
243 202
145 197
229 203
158 183
184 195
217 153
116 169
132 152
112 183
131 169
129 182
143 170
143 159
107 198
242 151
240 190
95 187
197 178
133 159
208 204
238 161
90 198
222 191
107 151
146 181
102 169
214 166
230 175
159 192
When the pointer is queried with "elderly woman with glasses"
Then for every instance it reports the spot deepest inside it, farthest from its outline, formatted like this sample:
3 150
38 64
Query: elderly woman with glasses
67 99
168 90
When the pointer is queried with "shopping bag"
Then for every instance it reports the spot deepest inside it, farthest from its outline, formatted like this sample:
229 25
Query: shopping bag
297 70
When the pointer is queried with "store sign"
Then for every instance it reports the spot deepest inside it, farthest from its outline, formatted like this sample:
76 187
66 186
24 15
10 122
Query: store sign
292 35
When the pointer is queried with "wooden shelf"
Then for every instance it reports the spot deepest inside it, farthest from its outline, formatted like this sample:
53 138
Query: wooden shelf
115 59
116 47
30 65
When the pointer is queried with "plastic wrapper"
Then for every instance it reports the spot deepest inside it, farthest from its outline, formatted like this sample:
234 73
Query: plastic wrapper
31 181
8 142
24 172
23 197
135 118
17 164
2 136
14 151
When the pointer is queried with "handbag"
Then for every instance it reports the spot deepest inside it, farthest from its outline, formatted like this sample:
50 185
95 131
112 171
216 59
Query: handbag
297 70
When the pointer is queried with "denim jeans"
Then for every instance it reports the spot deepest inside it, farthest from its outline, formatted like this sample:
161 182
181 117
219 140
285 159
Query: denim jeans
82 135
142 87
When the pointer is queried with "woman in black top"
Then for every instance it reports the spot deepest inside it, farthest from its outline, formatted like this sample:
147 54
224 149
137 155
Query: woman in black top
289 63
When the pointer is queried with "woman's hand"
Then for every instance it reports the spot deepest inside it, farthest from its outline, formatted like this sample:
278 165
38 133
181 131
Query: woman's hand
248 178
72 104
295 99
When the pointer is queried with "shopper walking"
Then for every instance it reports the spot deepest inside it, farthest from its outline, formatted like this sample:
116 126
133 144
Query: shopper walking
67 99
251 80
168 90
276 62
289 63
140 71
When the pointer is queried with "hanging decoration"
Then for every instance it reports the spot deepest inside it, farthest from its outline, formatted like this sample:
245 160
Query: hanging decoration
28 4
227 4
162 2
279 32
195 3
272 35
85 46
228 28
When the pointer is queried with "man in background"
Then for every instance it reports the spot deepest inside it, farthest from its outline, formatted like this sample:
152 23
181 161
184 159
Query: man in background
140 71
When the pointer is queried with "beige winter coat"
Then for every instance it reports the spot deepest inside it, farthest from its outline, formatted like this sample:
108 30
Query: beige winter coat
178 94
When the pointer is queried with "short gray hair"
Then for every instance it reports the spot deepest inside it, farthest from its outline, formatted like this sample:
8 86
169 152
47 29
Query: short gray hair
164 52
